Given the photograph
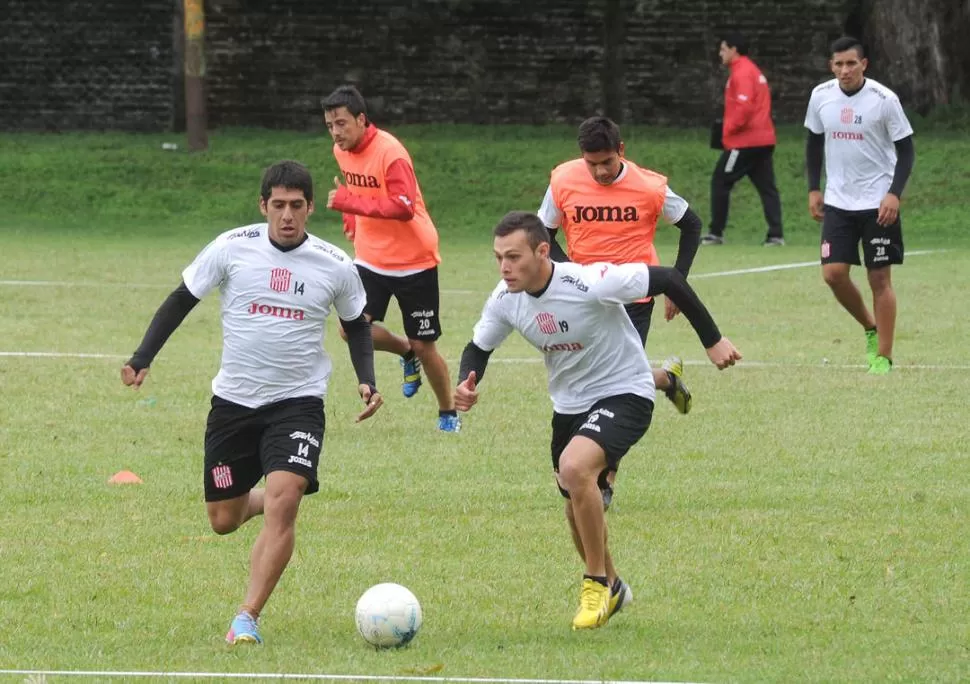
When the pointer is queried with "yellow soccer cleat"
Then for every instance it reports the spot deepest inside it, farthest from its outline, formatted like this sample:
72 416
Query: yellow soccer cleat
677 392
594 605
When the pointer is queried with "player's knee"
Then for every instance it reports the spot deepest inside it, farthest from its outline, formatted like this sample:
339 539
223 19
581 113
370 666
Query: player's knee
224 522
879 280
424 350
834 275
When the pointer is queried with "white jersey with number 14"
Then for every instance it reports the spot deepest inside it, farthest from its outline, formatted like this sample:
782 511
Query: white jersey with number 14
274 309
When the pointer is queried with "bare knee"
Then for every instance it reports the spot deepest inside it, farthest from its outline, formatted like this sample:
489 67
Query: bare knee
424 350
880 280
835 275
224 521
282 500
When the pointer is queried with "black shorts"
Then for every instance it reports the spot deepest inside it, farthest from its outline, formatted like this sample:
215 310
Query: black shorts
615 423
842 231
416 294
640 314
243 444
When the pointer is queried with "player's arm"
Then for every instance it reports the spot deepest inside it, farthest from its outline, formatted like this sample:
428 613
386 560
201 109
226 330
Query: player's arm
814 158
670 282
626 283
490 331
360 343
905 158
167 318
349 305
397 204
551 217
677 211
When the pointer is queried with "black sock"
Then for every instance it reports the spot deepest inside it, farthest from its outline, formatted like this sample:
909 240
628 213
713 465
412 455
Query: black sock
873 329
409 356
602 580
452 412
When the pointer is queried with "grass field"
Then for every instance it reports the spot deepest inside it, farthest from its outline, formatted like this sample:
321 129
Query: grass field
806 522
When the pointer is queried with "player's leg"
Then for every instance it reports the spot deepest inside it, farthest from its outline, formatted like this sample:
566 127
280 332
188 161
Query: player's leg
231 466
290 449
882 248
841 234
378 293
669 379
722 181
762 175
605 434
419 298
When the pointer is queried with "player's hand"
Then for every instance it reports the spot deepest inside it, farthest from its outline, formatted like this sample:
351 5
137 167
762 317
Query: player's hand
466 394
815 205
670 309
723 354
133 378
333 193
888 210
372 399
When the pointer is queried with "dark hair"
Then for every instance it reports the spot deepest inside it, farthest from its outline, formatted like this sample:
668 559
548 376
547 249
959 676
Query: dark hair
599 134
735 40
287 174
534 229
346 96
848 43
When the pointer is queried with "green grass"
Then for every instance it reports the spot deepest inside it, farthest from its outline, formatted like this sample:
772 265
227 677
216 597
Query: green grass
804 523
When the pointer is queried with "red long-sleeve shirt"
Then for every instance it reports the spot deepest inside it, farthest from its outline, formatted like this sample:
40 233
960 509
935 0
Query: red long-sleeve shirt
747 107
397 204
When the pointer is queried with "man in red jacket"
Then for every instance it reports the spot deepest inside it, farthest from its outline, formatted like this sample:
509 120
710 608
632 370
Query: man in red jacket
748 140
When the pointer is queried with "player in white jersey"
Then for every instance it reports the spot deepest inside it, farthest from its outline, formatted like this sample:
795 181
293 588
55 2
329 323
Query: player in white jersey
858 126
278 284
600 380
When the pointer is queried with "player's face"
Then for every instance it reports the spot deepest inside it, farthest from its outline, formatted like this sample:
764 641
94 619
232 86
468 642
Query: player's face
345 129
849 68
286 211
521 266
605 166
728 54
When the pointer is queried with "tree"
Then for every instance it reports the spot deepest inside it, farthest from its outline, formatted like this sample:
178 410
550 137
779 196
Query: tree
919 48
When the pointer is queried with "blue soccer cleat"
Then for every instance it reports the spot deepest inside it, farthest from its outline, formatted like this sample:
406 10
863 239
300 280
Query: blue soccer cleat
412 376
243 630
449 423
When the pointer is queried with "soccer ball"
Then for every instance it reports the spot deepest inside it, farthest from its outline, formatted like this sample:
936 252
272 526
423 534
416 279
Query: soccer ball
388 615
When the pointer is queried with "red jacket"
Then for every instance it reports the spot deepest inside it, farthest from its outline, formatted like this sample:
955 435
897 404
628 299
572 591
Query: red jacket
747 107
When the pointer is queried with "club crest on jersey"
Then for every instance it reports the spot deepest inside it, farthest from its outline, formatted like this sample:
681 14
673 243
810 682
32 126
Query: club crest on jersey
547 323
279 280
849 116
581 214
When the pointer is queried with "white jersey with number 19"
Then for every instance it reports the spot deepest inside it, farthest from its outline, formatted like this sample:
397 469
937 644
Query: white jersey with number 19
591 348
275 305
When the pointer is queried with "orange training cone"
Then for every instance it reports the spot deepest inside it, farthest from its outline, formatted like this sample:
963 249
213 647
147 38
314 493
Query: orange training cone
124 477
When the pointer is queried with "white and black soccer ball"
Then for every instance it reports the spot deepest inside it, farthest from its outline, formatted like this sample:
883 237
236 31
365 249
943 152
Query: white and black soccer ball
388 615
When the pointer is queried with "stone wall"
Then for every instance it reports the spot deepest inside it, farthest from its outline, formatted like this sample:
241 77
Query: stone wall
75 64
111 64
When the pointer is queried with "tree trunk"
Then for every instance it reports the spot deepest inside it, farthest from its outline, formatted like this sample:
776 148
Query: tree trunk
614 32
919 48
